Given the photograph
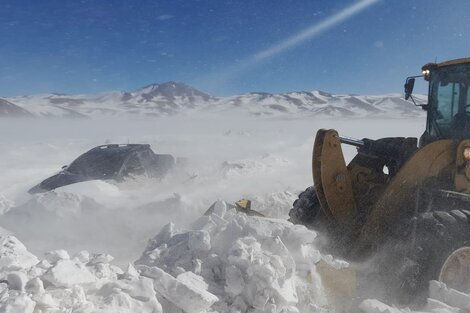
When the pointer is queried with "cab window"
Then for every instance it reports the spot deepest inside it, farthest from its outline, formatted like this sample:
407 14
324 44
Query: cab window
448 95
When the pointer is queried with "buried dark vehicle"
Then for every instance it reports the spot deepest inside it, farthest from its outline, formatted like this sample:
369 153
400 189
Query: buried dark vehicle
109 162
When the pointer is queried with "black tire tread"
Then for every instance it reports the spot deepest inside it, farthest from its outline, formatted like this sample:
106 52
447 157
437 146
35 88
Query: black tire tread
305 208
438 234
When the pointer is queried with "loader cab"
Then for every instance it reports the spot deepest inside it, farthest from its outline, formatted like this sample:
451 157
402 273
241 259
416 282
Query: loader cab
448 105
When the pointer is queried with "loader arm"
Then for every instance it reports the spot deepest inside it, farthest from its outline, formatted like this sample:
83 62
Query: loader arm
346 193
398 200
331 178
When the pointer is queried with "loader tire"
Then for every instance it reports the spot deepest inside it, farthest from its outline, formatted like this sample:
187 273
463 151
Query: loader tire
438 234
305 208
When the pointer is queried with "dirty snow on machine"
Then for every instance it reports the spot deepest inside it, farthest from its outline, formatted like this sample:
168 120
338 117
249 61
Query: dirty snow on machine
109 162
403 204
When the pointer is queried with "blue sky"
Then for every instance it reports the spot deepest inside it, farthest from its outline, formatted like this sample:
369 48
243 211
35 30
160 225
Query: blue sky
72 46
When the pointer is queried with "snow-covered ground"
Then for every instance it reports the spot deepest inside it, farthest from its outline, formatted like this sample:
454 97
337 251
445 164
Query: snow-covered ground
230 158
223 262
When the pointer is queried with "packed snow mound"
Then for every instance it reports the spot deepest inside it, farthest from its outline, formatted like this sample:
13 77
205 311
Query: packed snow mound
13 255
59 283
54 204
274 204
118 224
172 98
238 263
226 262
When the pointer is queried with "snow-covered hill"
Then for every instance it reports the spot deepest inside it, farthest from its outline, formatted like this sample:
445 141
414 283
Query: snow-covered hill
173 98
9 109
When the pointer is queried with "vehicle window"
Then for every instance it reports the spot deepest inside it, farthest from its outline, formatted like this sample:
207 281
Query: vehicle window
132 166
467 100
98 164
447 102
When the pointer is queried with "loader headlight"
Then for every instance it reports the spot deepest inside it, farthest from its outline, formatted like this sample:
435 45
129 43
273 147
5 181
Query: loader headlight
426 73
466 154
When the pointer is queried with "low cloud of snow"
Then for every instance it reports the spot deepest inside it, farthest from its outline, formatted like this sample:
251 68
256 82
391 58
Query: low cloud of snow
218 261
267 161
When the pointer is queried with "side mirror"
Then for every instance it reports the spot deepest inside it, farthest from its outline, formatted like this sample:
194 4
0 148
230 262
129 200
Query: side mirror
409 85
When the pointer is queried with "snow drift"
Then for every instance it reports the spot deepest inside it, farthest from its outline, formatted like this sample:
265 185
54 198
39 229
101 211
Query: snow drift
264 264
226 262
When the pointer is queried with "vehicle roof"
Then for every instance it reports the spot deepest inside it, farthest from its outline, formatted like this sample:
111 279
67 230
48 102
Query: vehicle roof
454 62
111 154
121 147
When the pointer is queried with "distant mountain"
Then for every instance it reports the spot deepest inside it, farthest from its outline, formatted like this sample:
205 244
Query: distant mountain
170 90
172 98
168 99
8 109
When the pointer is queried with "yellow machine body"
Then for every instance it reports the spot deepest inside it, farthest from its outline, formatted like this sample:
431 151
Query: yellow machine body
398 194
340 188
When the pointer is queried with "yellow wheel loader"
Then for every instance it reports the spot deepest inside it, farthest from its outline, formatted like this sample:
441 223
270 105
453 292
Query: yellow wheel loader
406 202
